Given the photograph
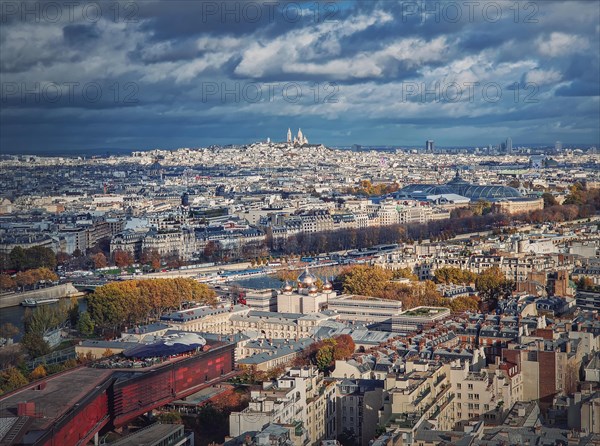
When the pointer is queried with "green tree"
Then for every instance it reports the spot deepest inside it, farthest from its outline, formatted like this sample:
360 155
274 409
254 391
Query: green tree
85 324
324 357
18 258
549 200
40 257
34 344
347 438
169 418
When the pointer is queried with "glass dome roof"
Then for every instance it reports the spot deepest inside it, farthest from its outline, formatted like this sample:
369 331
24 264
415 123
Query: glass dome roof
461 187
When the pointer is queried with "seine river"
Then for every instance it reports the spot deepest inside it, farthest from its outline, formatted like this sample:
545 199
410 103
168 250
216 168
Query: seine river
258 283
14 315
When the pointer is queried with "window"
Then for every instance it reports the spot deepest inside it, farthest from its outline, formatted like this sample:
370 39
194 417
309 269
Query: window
470 386
458 386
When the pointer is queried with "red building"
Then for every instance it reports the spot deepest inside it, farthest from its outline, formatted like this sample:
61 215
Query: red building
71 407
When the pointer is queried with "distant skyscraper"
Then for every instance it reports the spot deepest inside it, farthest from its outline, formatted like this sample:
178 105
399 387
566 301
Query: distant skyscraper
429 146
558 145
509 147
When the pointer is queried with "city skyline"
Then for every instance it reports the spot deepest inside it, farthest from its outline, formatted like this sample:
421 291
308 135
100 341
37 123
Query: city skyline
370 73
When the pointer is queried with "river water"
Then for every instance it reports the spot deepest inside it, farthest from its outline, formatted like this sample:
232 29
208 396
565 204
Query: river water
258 283
15 315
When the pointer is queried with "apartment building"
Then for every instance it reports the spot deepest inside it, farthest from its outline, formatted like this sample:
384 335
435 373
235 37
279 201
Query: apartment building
301 397
484 394
422 392
358 402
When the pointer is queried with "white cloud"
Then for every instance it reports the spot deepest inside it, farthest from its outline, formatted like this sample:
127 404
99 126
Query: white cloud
294 52
559 44
543 77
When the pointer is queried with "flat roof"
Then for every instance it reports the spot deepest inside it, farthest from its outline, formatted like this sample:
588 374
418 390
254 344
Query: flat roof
148 435
61 393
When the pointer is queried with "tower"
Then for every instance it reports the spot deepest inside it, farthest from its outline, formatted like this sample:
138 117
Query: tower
289 135
429 146
509 147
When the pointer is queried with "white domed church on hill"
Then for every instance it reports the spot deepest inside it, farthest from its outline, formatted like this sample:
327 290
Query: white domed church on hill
299 140
306 298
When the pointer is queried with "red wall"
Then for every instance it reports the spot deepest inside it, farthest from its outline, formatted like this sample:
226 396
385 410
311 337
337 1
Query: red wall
82 424
146 392
120 399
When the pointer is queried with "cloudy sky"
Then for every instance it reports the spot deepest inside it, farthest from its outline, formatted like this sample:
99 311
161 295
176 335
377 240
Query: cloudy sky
80 76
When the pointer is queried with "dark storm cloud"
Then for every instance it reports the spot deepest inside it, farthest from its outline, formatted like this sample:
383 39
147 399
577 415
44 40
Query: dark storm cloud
158 63
80 34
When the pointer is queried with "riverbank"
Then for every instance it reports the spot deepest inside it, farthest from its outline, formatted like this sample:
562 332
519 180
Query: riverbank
55 292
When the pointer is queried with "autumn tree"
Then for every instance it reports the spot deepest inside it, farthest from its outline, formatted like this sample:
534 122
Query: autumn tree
461 304
107 353
576 195
365 280
344 347
8 330
452 275
11 379
62 258
287 275
38 373
122 258
7 282
492 284
210 250
25 279
99 260
151 257
135 301
405 273
324 357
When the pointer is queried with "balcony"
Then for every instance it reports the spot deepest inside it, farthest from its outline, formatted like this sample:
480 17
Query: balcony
422 396
439 379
